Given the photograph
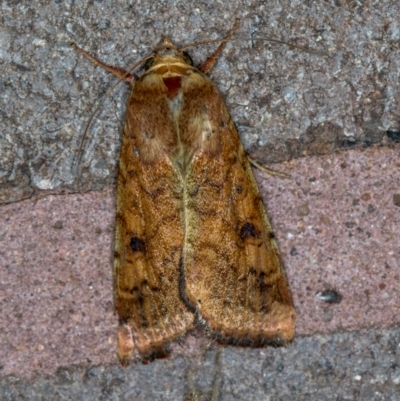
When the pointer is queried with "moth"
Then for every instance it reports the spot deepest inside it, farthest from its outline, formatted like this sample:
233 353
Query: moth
193 243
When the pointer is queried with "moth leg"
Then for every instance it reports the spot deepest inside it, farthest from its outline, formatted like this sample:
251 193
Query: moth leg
267 170
210 62
118 72
213 394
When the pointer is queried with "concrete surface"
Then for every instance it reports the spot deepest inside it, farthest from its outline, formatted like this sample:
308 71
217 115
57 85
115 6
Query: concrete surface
340 366
286 102
336 220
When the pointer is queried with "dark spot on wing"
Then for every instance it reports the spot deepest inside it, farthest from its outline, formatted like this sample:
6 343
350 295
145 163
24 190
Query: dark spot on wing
252 270
134 289
249 231
137 245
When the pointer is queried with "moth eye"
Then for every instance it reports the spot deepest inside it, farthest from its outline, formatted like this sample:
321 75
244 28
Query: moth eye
149 63
187 58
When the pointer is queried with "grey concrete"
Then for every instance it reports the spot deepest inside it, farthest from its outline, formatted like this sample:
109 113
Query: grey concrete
351 366
285 102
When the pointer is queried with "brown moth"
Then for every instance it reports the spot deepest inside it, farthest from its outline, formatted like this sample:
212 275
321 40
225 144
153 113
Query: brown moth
193 241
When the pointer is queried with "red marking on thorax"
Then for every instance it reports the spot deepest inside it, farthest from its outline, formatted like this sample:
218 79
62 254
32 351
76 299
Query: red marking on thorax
173 85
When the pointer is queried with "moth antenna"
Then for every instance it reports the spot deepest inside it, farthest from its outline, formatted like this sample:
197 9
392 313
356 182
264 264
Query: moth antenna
267 170
235 26
282 42
122 76
224 40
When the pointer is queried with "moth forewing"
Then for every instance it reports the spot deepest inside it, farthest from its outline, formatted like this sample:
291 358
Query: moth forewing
233 271
149 224
192 235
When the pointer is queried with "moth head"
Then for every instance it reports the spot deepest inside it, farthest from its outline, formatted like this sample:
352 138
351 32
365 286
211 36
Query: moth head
168 52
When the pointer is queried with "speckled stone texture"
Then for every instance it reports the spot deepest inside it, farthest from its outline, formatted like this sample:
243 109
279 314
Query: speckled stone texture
342 366
285 101
336 222
336 219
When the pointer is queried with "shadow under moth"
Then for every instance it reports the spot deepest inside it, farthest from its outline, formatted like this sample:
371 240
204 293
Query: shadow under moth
193 242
